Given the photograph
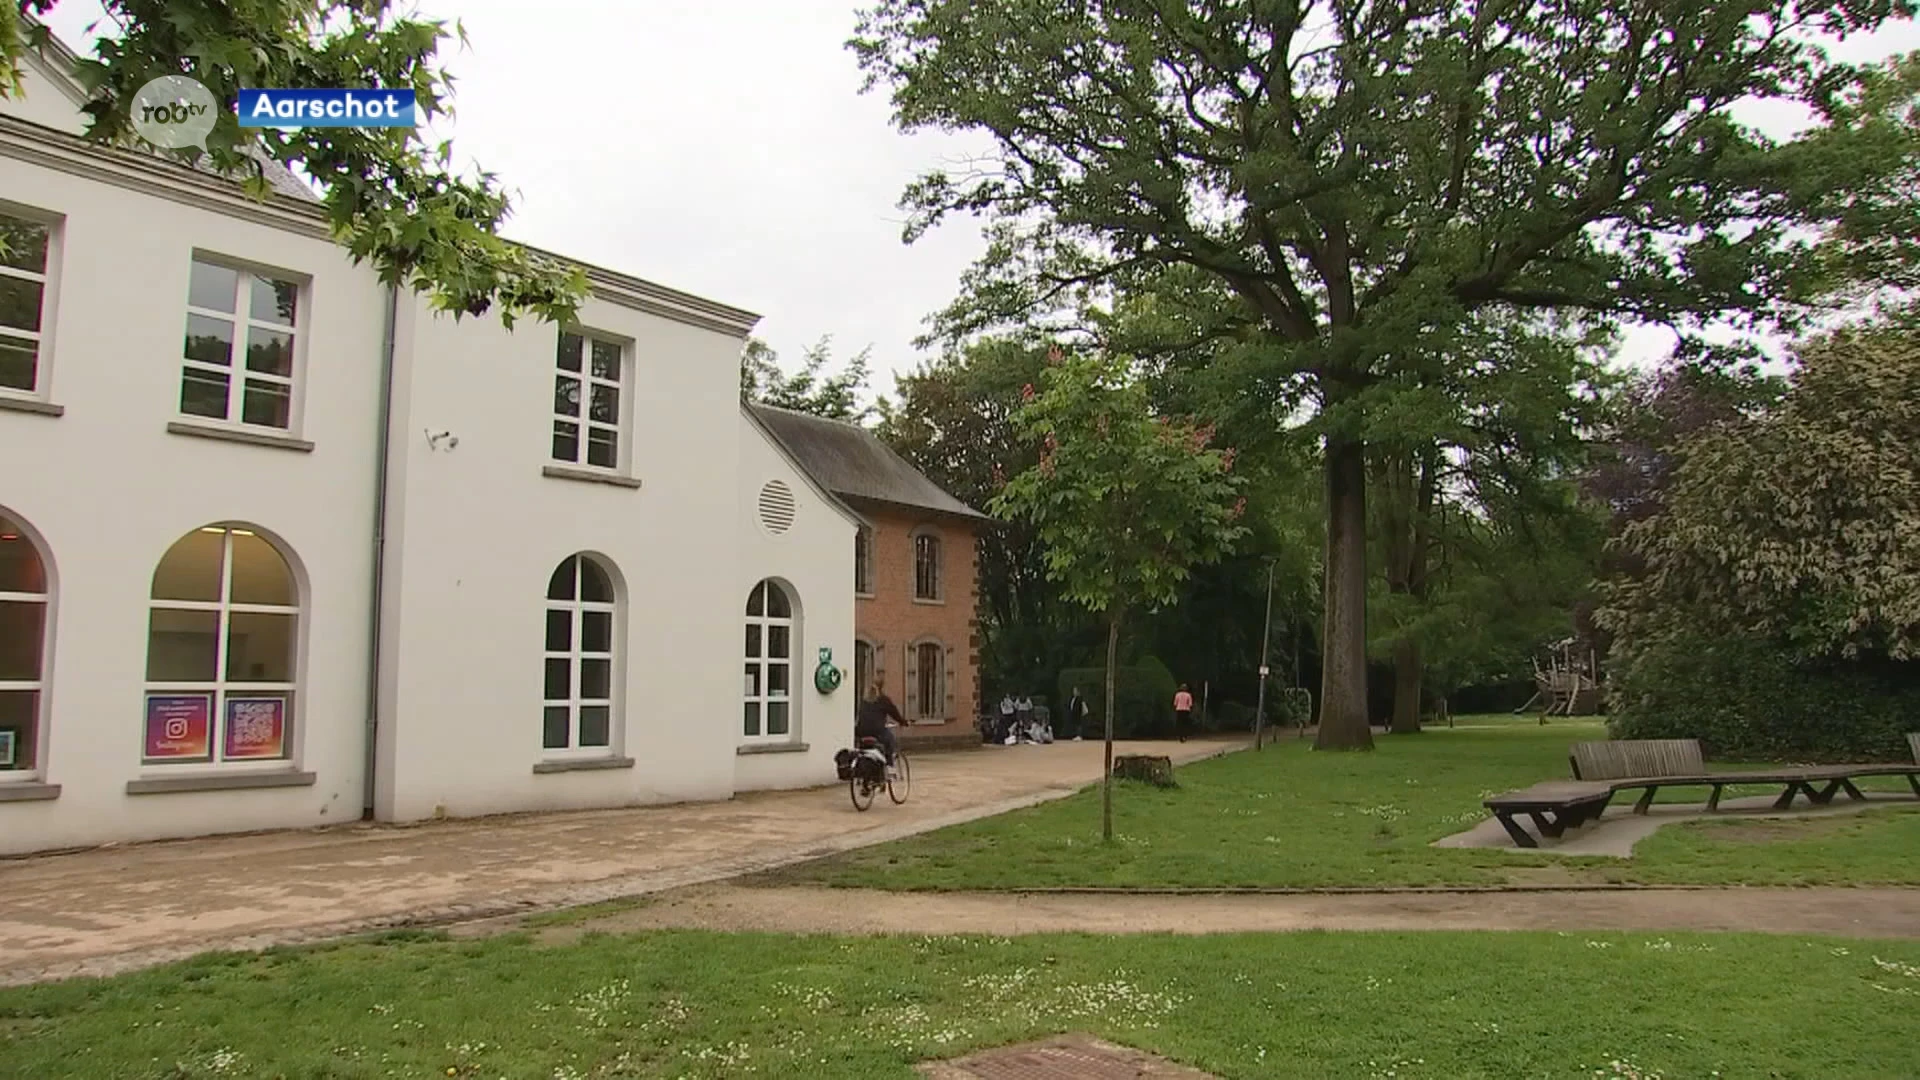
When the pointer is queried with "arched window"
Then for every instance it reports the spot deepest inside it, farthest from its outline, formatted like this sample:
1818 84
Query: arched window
582 606
23 647
927 682
221 634
926 566
771 628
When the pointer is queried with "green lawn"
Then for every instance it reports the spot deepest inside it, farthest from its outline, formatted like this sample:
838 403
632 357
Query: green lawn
697 1004
1289 817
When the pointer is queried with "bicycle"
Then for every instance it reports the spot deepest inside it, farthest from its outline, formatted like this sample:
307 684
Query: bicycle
869 773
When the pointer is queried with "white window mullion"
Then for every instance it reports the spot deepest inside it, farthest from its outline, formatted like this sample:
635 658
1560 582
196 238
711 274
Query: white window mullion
217 723
237 359
576 670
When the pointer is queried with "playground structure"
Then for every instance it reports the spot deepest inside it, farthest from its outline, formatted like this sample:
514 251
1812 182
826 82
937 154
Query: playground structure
1568 684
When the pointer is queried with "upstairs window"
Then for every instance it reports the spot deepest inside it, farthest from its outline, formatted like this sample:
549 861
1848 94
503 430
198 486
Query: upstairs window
589 373
926 567
239 353
863 561
23 290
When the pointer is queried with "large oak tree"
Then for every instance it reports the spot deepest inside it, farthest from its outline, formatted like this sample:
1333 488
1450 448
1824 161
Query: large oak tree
1364 174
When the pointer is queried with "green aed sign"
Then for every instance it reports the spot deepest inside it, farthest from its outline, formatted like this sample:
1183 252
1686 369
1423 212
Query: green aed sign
826 677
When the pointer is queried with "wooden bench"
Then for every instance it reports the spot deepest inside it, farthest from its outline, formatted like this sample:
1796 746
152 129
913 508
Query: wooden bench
1603 769
1555 806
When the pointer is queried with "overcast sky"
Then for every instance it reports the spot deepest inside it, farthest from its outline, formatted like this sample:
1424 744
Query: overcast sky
724 149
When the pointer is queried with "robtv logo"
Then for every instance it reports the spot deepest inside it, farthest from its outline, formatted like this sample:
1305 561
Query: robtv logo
174 111
326 108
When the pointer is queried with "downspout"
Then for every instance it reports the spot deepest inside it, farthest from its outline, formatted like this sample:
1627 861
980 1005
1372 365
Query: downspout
379 548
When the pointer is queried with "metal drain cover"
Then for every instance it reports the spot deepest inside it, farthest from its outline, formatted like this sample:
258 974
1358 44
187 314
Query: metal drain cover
1064 1057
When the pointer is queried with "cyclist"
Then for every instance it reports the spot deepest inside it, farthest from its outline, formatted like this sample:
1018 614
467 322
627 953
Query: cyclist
871 720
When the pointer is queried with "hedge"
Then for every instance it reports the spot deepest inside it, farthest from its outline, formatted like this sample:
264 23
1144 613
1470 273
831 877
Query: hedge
1748 700
1143 695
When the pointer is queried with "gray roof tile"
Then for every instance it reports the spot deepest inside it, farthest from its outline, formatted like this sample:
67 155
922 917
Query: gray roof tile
851 462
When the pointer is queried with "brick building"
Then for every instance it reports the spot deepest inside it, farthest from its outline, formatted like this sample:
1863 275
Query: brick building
915 573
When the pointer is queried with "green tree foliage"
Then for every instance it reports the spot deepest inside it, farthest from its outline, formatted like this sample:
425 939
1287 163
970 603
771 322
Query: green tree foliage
1801 525
393 200
809 390
1361 179
1754 699
1125 502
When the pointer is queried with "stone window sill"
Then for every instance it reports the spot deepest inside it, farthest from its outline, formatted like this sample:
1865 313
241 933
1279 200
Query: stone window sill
583 764
165 785
772 748
239 435
589 476
929 603
31 405
28 792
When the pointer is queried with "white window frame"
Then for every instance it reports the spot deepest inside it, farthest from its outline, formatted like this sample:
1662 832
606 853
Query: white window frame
244 324
760 691
221 687
575 657
863 561
582 420
38 684
926 533
49 286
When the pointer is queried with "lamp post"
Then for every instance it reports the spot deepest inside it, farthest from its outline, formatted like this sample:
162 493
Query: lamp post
1260 709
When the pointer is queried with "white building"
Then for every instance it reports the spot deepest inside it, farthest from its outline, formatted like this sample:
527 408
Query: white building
279 548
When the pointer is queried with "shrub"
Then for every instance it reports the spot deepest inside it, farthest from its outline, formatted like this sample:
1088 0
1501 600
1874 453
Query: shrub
1143 698
1746 699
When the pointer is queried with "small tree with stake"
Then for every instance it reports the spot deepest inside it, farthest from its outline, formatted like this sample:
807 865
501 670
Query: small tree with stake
1125 503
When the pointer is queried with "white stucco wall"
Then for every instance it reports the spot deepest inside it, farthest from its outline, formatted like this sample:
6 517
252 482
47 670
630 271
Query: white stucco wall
475 526
44 99
814 557
109 490
479 531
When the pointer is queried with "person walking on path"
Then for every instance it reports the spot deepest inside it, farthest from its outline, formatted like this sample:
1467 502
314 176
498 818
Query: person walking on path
1182 712
1077 714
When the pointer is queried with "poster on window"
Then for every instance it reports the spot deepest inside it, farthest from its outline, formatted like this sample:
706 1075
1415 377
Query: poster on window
179 727
256 728
7 751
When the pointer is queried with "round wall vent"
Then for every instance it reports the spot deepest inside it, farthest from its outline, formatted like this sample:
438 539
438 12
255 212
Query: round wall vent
776 507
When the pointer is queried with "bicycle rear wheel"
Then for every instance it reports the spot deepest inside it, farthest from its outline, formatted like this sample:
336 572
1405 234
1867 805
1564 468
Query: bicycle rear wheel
862 791
901 782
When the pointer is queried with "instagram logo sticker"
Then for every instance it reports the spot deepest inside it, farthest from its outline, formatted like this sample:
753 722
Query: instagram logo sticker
179 727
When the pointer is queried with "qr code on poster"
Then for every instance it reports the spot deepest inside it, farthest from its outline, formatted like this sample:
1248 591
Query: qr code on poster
254 723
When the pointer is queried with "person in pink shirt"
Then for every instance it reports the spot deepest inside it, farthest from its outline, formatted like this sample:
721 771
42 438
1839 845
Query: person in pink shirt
1182 712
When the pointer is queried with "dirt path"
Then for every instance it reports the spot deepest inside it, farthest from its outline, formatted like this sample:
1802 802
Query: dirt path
1889 913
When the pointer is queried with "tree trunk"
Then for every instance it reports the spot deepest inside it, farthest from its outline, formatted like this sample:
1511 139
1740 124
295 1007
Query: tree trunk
1343 664
1407 670
1106 774
1407 489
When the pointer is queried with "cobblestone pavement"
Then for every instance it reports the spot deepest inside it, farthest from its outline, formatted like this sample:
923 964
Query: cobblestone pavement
114 909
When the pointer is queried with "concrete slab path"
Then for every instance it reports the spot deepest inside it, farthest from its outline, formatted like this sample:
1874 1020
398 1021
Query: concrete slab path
109 910
1619 830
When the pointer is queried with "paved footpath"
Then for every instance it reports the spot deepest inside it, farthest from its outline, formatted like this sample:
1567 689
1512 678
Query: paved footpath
109 910
1878 913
